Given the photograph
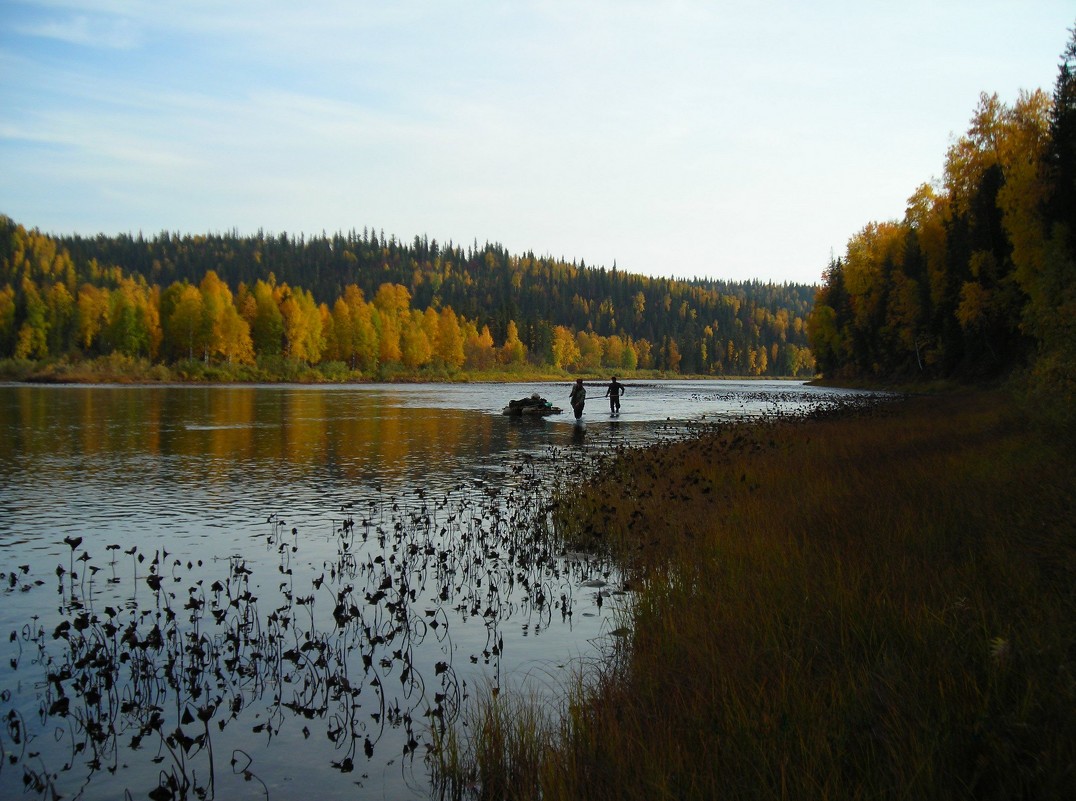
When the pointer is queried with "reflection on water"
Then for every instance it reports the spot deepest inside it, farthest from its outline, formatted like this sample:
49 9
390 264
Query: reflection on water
238 590
579 433
191 458
185 677
77 456
300 429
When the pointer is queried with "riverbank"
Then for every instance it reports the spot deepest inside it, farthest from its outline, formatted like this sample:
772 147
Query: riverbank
865 605
119 369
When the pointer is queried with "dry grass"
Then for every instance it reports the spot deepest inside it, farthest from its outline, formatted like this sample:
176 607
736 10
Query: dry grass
870 606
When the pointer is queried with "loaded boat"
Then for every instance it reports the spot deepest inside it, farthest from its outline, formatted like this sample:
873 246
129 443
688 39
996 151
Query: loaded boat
534 406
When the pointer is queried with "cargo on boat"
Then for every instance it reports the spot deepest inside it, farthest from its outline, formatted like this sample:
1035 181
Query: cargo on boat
534 406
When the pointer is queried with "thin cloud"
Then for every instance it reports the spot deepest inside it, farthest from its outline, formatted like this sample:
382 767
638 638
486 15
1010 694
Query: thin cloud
80 29
685 137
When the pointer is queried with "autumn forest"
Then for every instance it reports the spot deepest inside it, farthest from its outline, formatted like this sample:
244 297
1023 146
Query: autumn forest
363 305
978 278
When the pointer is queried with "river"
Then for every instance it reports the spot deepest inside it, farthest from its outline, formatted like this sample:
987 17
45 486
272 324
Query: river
250 591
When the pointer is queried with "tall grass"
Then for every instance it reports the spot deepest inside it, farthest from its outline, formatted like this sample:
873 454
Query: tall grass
499 749
871 606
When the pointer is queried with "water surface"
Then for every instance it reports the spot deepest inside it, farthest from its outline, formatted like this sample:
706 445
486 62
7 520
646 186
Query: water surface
243 591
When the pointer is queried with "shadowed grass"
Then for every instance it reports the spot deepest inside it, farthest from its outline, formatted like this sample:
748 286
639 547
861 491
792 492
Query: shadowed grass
500 749
876 605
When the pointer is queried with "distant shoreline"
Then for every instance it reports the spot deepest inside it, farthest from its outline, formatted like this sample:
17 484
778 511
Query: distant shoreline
111 370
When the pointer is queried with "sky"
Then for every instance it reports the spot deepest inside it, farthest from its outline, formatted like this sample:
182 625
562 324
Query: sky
725 140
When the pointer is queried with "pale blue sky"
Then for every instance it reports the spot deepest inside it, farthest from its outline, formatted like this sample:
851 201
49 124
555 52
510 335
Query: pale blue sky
718 139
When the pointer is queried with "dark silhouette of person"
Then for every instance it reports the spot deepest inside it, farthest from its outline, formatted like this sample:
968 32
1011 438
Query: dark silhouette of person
578 398
613 393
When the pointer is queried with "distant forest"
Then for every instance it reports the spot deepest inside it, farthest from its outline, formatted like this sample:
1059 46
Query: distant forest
373 303
979 278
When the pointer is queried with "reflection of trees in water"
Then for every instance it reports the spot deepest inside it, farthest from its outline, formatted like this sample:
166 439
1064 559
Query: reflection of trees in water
227 429
178 690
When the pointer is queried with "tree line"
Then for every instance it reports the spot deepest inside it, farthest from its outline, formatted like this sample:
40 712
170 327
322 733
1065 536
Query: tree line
373 303
977 278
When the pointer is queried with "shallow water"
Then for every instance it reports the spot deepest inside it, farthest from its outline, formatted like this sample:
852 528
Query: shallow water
248 591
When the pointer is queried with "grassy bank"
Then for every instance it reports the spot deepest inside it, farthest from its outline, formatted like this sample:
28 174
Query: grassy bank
120 369
875 605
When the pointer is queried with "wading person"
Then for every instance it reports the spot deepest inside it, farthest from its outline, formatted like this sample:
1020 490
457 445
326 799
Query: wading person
613 393
578 398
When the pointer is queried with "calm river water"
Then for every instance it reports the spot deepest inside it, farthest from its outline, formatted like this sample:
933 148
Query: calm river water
249 592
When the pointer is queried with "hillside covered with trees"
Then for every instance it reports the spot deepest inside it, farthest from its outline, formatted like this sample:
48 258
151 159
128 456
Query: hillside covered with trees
979 277
363 305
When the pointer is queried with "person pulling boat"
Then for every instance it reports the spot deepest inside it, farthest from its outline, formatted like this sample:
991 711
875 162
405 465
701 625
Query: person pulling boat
613 393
